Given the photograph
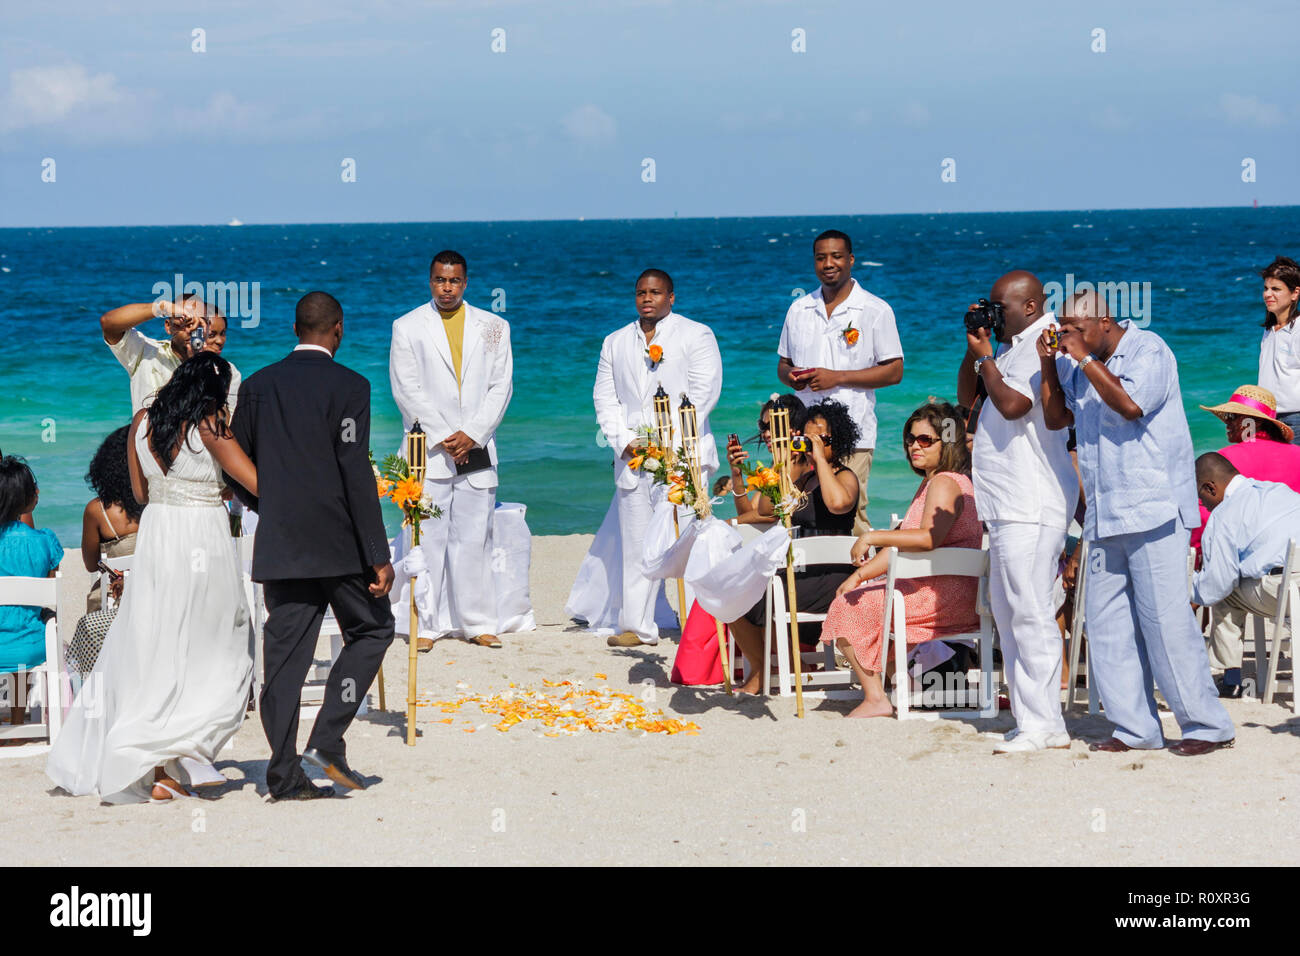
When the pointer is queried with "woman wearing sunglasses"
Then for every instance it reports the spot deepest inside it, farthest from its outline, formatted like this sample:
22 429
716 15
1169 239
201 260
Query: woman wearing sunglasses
746 504
942 515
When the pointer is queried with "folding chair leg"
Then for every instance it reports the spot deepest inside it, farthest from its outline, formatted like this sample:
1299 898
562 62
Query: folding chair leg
902 685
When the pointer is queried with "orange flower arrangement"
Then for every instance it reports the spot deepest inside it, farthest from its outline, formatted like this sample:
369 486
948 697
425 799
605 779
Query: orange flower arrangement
655 354
850 334
393 481
406 493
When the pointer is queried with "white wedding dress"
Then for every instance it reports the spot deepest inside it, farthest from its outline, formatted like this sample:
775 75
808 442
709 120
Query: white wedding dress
171 684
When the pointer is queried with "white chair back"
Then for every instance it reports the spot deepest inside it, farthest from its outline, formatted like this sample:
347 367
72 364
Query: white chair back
122 564
41 593
1288 600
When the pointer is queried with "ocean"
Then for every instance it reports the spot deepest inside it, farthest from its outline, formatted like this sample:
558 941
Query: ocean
1190 274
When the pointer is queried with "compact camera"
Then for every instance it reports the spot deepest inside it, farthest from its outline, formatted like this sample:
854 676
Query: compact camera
987 315
198 337
800 443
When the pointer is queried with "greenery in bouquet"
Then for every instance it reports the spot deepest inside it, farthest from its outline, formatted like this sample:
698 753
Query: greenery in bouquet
668 466
766 480
393 481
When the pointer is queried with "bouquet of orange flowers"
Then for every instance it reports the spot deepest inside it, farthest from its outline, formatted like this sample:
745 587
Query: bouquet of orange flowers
393 481
766 479
666 466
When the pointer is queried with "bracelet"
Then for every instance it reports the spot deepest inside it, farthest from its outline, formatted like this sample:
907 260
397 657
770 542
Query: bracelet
980 361
1085 362
739 494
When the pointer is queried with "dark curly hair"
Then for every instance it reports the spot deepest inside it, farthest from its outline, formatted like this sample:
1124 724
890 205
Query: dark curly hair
198 389
791 403
949 424
17 488
109 478
844 430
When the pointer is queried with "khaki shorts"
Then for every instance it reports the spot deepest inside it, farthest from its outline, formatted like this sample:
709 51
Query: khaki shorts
860 464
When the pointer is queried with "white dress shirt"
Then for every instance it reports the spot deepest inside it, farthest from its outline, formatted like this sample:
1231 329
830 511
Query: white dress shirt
1246 537
626 384
1279 365
810 339
1021 469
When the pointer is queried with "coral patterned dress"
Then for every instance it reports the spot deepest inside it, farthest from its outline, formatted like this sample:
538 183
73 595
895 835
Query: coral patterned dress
937 606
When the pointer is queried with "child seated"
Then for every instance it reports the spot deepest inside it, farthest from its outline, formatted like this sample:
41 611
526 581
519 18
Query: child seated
24 552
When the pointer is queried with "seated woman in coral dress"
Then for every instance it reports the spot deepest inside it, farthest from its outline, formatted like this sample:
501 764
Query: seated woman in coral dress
942 515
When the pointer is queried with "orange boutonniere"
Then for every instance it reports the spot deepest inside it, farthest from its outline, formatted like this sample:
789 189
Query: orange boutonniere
850 334
656 355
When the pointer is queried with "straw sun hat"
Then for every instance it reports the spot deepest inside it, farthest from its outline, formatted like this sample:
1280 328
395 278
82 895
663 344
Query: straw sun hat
1253 402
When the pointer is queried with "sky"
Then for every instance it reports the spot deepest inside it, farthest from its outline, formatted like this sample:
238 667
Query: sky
109 115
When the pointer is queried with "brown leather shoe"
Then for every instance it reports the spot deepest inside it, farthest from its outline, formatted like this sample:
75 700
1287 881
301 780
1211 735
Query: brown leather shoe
424 644
1112 746
1194 748
626 639
487 640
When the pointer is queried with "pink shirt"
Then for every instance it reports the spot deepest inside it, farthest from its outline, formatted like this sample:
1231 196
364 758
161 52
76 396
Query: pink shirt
1264 459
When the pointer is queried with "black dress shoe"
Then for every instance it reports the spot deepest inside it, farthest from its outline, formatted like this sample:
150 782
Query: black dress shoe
336 768
304 791
1194 748
1231 691
1114 746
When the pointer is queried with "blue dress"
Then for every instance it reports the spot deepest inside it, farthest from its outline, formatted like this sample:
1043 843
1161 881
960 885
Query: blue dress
24 553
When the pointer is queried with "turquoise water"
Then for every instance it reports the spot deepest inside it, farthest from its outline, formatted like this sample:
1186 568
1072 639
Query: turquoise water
565 285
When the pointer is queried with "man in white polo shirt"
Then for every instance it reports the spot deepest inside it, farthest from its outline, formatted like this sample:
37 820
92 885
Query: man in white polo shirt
1025 491
840 342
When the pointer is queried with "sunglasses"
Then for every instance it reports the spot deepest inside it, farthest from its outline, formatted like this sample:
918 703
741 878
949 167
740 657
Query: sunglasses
925 441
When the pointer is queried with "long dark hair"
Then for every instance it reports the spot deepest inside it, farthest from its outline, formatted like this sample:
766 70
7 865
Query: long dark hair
17 488
109 476
198 389
948 423
1287 271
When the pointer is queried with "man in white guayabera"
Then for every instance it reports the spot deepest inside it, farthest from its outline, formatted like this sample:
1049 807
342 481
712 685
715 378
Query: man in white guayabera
191 326
657 349
450 367
840 342
1025 491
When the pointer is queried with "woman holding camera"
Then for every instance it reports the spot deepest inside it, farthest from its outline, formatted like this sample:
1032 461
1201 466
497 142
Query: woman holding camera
942 515
829 508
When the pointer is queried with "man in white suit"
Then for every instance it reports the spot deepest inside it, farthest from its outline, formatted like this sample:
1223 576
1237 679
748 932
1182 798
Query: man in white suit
450 367
626 380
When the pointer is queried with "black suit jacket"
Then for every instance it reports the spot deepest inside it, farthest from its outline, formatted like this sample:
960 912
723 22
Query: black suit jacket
305 423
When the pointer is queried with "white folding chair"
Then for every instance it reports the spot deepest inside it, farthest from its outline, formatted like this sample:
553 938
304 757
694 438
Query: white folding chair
47 699
808 552
1288 598
122 564
965 562
1078 636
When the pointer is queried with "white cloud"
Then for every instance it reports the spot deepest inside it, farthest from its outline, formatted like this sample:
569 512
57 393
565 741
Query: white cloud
41 95
1248 111
590 125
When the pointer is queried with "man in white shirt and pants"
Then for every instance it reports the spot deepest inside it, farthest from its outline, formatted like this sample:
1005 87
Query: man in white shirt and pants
450 368
841 342
1026 489
627 377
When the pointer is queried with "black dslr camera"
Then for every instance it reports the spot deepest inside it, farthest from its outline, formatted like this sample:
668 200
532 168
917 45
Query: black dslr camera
987 315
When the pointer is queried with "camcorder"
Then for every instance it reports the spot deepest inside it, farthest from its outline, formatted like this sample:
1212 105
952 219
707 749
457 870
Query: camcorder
987 315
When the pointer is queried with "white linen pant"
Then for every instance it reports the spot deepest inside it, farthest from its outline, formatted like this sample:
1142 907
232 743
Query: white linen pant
1140 626
459 545
637 610
1023 557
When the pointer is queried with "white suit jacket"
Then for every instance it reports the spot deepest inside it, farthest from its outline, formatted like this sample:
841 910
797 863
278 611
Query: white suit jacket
424 383
625 385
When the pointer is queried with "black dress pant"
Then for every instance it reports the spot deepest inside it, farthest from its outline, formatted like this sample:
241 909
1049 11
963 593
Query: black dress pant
295 610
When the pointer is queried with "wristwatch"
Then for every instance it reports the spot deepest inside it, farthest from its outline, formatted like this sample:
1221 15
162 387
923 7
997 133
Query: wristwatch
980 361
1086 361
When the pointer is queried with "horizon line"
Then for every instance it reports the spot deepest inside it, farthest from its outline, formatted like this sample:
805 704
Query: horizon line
450 222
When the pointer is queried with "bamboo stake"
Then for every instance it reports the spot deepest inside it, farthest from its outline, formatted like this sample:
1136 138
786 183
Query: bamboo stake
415 458
691 445
663 413
382 704
781 461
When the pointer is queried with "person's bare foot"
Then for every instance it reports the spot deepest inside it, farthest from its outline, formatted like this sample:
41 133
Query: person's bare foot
751 687
870 708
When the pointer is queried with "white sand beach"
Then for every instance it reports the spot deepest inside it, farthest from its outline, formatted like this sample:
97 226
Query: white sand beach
755 786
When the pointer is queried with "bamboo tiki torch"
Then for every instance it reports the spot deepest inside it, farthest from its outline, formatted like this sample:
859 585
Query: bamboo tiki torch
781 462
663 411
691 445
415 455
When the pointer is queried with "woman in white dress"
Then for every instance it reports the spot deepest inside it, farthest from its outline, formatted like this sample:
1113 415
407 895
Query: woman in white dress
171 684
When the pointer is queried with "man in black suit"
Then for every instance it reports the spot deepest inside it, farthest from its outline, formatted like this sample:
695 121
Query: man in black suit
305 423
